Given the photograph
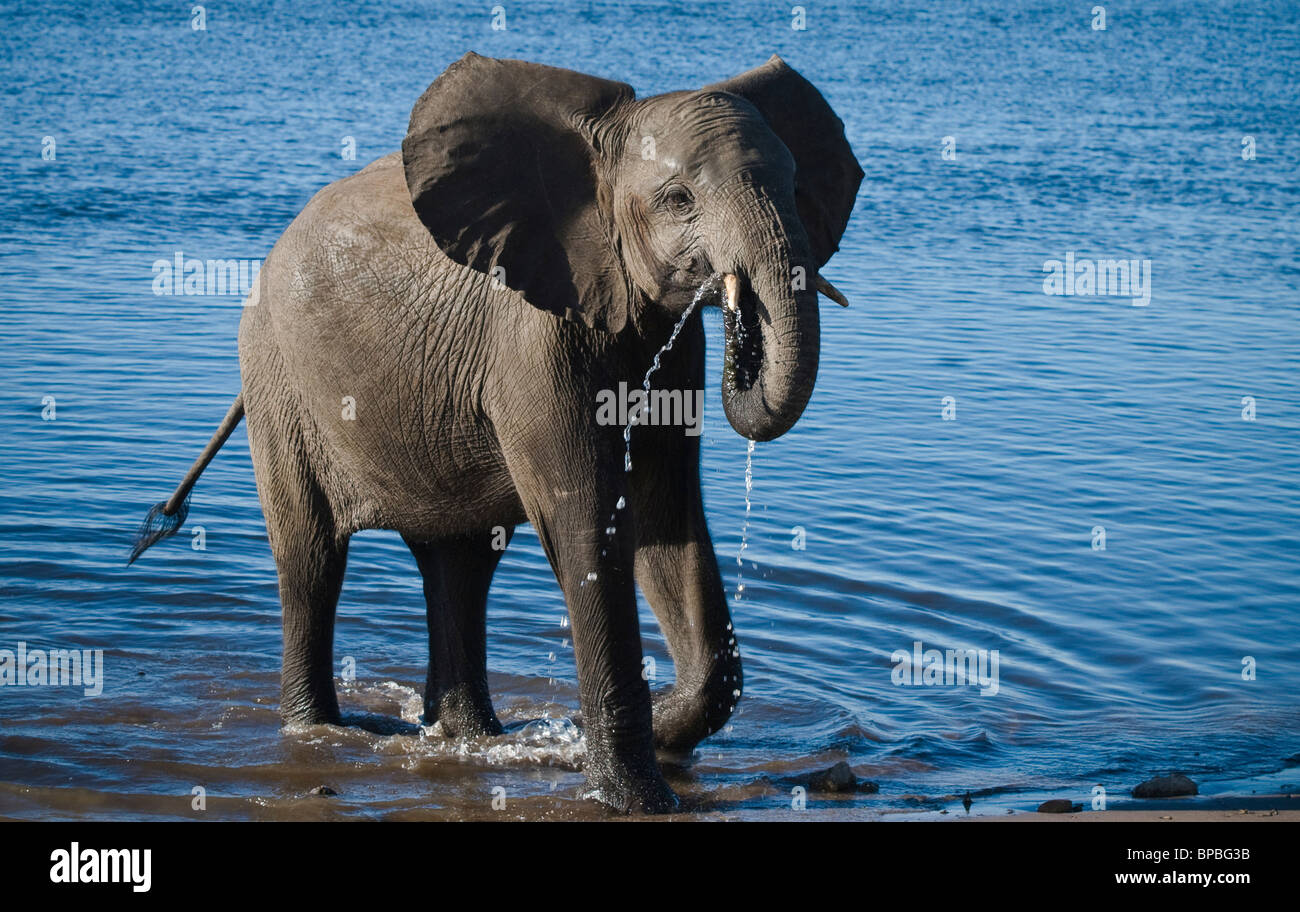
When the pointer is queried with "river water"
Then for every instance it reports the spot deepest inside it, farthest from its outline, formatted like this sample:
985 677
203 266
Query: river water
875 524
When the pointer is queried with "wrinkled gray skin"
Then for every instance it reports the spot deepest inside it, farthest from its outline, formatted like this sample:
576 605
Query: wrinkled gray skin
475 404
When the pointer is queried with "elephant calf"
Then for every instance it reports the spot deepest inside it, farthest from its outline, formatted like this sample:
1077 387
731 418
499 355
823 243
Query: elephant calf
429 340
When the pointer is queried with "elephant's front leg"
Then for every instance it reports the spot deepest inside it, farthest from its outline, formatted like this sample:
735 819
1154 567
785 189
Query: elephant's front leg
572 510
595 571
678 572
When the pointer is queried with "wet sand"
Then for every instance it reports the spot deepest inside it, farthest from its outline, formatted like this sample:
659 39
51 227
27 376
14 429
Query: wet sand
1200 815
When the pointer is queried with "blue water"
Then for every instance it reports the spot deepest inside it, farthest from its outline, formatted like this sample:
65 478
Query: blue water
1071 412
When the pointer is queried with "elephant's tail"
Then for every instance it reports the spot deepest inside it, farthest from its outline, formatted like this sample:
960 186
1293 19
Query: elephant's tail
165 518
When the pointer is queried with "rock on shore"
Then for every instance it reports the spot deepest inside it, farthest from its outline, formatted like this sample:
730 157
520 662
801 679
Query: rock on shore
1166 787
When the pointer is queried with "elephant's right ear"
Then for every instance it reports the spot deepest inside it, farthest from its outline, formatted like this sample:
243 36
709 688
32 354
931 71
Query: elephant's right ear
502 169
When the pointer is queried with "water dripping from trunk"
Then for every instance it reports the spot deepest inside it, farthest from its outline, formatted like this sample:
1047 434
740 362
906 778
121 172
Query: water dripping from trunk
700 292
744 529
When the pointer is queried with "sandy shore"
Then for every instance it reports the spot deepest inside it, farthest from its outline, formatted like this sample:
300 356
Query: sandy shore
1199 815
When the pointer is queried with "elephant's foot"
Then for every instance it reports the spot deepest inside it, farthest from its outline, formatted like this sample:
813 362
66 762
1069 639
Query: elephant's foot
632 794
463 713
685 716
309 714
305 703
677 729
622 772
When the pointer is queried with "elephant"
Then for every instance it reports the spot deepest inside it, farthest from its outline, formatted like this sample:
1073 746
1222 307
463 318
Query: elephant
427 341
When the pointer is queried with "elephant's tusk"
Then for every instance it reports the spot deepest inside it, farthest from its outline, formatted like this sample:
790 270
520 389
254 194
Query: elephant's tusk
831 292
731 291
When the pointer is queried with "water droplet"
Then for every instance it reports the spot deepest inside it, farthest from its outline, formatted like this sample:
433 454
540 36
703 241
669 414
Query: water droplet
622 502
591 577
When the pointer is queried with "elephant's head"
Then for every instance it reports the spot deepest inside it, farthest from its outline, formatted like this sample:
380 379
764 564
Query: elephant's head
594 205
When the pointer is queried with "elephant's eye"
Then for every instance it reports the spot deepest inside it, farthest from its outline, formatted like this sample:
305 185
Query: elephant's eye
678 200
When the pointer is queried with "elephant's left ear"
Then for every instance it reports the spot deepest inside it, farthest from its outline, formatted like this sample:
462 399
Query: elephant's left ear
503 170
827 173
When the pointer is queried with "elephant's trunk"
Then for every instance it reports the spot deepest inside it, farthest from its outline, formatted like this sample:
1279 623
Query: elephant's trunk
772 332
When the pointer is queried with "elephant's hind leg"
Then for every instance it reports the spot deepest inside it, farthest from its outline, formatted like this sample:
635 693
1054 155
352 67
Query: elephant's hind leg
457 575
310 557
311 575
